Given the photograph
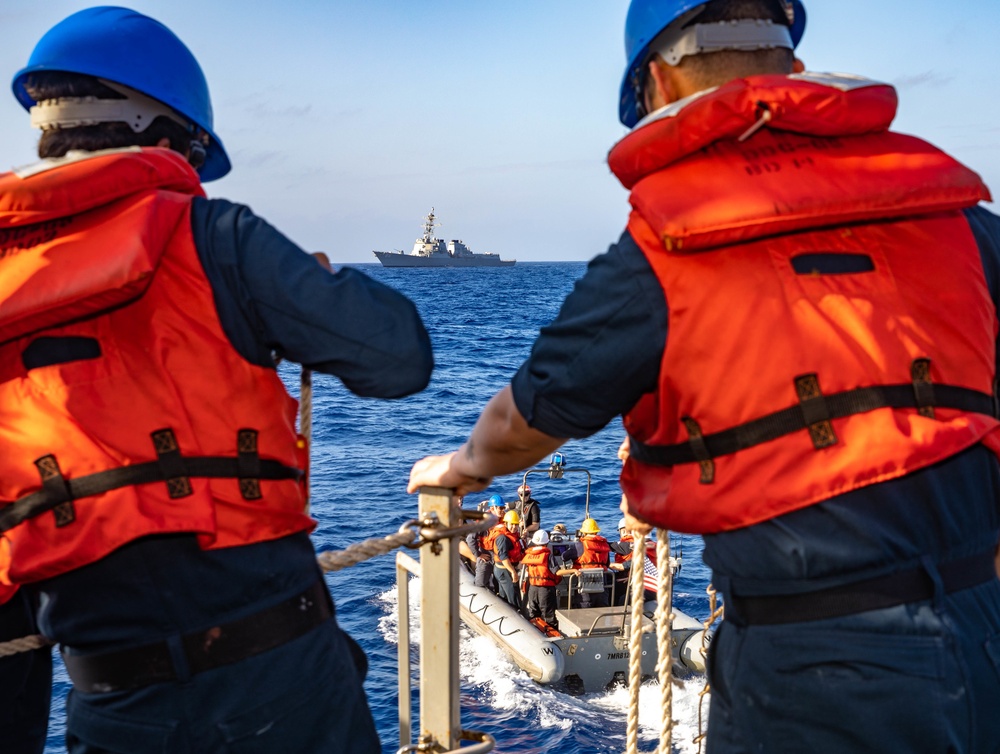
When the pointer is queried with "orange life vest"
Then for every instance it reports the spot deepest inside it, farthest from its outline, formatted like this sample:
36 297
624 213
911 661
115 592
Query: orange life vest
537 559
516 551
595 551
786 381
619 558
157 425
491 536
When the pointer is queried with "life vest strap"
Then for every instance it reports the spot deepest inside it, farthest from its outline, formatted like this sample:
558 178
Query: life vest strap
57 493
171 462
919 394
815 411
55 486
249 464
923 388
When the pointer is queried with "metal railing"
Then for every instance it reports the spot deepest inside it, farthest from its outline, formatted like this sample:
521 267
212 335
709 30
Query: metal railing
442 523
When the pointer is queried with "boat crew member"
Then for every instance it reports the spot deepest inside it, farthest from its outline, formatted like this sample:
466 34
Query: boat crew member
529 511
480 544
595 554
507 554
543 576
153 485
622 550
822 410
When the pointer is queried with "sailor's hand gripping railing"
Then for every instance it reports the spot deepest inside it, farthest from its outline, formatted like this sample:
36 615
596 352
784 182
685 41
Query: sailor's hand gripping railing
440 524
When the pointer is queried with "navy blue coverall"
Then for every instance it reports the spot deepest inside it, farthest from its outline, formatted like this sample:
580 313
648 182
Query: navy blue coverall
930 669
306 694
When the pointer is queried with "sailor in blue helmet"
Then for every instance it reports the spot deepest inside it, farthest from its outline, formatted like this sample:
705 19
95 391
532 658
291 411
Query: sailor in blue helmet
798 327
186 600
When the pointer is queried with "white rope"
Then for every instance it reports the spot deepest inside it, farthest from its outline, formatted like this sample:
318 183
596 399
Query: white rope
635 642
335 560
664 620
24 644
664 660
715 612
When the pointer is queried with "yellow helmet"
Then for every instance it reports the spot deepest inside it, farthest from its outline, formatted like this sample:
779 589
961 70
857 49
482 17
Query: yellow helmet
511 517
590 527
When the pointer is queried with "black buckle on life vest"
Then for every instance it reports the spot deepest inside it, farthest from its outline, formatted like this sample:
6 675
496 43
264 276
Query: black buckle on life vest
697 442
248 464
56 489
923 388
815 411
171 462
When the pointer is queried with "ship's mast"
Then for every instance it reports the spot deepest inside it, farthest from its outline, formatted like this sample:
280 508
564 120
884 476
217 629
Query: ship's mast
429 226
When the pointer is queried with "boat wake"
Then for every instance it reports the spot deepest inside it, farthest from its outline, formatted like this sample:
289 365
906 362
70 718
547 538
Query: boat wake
523 716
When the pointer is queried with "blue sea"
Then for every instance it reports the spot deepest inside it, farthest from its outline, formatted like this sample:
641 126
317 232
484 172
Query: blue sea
482 323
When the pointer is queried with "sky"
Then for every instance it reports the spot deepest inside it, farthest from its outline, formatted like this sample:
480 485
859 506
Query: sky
347 120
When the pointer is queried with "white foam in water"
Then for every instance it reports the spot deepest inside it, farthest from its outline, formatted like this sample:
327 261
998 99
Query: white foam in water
686 698
507 688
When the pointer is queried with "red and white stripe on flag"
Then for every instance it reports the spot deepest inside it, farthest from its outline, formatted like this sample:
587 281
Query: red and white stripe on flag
650 575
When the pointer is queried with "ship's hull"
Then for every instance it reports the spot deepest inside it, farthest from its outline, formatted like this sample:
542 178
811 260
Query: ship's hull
398 259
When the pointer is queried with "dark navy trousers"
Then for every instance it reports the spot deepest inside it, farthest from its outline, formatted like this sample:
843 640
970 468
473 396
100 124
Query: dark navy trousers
506 587
25 683
922 677
304 697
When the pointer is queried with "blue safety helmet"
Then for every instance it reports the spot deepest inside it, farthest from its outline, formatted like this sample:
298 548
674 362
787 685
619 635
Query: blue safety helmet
496 501
645 20
136 51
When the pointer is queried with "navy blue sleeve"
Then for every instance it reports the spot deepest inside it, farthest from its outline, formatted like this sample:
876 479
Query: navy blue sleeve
986 230
275 300
502 548
601 353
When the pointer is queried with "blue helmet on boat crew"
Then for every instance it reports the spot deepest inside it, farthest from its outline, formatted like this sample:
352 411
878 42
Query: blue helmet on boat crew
496 501
646 19
135 51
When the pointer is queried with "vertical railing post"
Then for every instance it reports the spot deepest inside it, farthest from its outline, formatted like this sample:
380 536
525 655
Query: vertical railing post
403 646
439 621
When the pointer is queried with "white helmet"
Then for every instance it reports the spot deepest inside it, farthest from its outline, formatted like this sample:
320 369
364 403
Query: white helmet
540 537
622 524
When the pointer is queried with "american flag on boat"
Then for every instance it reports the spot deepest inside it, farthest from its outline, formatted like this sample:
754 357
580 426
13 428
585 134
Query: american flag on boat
650 574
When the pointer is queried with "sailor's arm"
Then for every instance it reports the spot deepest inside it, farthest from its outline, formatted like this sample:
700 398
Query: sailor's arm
500 443
592 363
273 298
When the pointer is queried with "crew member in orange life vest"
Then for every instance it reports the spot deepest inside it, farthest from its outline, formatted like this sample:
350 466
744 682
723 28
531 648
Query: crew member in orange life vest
822 409
480 544
507 554
596 554
543 576
163 504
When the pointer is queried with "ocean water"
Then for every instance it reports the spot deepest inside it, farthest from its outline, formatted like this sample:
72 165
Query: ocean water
482 323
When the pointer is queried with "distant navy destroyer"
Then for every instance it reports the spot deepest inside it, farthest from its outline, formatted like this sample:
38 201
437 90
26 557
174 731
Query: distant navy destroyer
429 251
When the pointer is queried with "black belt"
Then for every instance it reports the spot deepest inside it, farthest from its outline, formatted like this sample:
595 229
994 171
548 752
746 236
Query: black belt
220 645
912 585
